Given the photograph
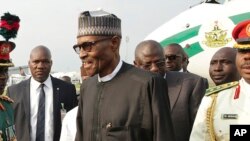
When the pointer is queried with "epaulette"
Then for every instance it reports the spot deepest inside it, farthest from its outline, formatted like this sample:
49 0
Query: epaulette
6 98
221 87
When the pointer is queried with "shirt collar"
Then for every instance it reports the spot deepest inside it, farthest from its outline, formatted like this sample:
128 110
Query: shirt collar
244 85
37 84
112 75
181 70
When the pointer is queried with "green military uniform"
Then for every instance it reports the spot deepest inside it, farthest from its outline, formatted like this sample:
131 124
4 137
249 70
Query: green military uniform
7 129
9 25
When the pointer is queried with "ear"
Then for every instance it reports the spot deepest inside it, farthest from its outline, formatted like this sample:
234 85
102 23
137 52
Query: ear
135 63
184 59
115 41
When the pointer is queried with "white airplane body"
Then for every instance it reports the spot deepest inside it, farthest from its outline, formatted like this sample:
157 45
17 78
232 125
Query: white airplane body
202 30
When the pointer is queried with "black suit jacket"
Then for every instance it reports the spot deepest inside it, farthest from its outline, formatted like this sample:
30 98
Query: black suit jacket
185 92
63 92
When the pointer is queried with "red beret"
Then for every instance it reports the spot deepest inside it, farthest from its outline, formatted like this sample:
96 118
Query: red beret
241 34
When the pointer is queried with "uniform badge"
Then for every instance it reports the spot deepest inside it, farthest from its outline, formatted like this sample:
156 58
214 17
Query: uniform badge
63 111
229 116
248 29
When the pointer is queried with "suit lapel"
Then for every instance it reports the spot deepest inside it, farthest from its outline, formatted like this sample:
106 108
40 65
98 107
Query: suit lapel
174 88
26 101
56 109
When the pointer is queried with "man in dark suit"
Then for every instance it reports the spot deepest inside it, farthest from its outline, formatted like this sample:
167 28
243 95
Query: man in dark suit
177 59
39 100
185 90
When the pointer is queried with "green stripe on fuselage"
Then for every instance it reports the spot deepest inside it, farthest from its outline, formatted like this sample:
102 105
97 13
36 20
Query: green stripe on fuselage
195 48
181 36
240 17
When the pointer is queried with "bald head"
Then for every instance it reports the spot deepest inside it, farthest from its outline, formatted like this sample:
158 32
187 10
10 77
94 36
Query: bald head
66 78
147 48
177 47
39 49
222 66
149 56
226 51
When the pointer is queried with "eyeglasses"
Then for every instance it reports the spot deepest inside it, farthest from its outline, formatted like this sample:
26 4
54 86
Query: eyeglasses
171 57
159 64
87 46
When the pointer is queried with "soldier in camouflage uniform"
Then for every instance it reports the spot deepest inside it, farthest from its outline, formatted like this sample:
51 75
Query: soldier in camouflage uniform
9 25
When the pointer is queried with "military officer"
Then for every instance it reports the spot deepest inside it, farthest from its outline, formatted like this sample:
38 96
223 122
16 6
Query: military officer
7 131
9 25
229 103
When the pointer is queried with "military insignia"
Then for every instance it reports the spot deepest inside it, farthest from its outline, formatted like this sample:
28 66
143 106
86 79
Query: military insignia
248 29
229 116
5 49
63 111
219 88
237 92
216 37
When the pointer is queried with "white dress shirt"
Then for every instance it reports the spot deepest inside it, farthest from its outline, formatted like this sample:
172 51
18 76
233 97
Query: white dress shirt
181 70
34 101
112 75
68 132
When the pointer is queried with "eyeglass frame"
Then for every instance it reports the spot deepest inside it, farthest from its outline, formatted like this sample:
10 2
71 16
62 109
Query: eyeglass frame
157 63
87 46
169 57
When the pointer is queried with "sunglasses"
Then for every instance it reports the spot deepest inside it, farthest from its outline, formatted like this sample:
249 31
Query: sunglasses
159 64
87 46
171 57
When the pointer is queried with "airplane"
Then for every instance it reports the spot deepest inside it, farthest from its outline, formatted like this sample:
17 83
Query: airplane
202 30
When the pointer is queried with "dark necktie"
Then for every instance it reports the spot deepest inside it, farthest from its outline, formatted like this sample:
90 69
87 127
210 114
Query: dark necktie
40 129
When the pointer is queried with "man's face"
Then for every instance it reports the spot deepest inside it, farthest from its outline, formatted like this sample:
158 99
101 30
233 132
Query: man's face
151 61
222 68
243 63
3 79
173 58
40 65
99 58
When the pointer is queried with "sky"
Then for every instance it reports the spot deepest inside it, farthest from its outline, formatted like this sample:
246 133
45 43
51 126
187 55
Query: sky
54 24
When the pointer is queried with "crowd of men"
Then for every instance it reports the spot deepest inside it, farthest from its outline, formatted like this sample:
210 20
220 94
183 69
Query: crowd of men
155 99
